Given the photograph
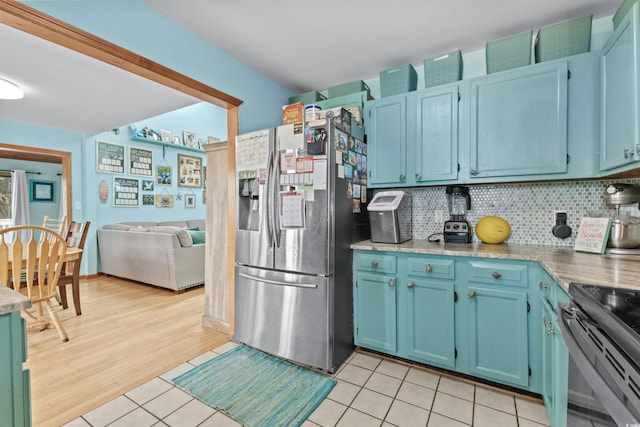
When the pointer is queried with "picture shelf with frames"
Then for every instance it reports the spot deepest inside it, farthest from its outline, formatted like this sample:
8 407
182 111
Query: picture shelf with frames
166 144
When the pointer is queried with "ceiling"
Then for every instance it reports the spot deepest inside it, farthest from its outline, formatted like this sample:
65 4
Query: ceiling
304 48
309 46
70 91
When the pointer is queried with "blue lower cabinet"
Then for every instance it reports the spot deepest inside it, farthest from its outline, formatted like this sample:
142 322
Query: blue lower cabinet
555 366
498 338
430 321
375 312
463 314
15 396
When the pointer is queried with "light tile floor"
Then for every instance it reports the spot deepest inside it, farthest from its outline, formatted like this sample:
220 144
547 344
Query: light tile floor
371 391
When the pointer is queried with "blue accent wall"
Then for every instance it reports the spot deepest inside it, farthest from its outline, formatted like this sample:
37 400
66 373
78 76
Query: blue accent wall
135 26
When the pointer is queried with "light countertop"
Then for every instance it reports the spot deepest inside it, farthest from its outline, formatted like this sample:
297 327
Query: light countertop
564 264
11 301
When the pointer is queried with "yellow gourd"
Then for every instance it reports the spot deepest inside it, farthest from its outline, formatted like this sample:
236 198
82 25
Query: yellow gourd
493 229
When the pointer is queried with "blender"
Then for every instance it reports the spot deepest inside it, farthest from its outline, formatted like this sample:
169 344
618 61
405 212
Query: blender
457 229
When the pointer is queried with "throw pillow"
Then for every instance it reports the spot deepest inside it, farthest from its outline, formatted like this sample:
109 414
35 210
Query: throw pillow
197 236
183 235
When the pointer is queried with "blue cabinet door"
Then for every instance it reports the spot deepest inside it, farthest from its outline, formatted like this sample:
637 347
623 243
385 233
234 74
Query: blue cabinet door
555 365
619 143
498 335
436 147
548 394
430 316
15 394
375 314
519 122
387 141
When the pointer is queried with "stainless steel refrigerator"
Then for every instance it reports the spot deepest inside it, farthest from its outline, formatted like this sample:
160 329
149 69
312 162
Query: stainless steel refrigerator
300 203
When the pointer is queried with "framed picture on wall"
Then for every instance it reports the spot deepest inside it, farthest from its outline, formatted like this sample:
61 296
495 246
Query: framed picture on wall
109 157
140 161
42 191
163 175
189 200
126 192
189 171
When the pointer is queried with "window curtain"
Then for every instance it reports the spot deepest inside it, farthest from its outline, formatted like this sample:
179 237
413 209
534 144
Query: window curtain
19 198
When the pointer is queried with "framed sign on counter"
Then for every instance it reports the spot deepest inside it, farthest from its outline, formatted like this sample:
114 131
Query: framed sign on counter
109 157
140 161
126 192
189 171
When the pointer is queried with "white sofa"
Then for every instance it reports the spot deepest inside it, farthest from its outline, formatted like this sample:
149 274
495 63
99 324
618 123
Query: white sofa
157 253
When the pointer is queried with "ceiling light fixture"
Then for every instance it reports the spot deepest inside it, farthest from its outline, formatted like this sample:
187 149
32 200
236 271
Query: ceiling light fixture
9 90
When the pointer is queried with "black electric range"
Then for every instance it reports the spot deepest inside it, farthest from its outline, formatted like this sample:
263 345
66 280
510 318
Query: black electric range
616 310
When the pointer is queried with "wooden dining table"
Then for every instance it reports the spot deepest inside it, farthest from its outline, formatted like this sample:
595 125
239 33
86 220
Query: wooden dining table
72 254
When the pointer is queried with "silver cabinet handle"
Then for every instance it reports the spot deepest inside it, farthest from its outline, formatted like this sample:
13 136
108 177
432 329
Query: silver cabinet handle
429 268
473 172
402 178
638 149
391 283
547 326
472 294
496 275
410 285
542 286
374 264
418 177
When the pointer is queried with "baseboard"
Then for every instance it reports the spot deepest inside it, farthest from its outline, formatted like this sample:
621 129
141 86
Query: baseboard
216 324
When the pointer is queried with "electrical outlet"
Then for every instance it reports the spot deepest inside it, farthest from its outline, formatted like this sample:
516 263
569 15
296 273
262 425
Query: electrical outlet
438 215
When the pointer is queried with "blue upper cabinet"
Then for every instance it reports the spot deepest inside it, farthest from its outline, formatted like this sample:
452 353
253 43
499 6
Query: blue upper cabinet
519 122
413 138
619 143
387 142
436 145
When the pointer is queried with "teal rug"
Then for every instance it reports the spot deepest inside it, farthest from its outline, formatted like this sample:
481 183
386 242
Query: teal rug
256 389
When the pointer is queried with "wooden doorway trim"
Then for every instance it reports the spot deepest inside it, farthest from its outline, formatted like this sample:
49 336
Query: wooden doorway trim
17 152
32 21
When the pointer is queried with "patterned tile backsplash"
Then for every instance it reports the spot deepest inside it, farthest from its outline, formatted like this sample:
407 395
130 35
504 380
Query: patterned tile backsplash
529 207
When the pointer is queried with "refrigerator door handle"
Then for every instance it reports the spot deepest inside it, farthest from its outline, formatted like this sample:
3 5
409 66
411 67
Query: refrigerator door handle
275 222
278 282
269 202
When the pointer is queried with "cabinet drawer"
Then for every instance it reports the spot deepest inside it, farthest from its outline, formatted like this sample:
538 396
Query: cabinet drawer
431 267
376 262
497 273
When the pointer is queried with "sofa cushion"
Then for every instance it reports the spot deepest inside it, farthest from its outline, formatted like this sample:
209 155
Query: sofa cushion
120 227
179 224
197 236
200 223
145 224
183 235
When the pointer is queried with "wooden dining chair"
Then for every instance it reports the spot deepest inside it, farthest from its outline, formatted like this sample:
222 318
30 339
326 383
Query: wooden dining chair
34 255
56 224
76 236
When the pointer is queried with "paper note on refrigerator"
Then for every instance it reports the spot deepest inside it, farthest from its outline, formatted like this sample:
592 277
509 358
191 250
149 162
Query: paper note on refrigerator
291 209
291 137
320 173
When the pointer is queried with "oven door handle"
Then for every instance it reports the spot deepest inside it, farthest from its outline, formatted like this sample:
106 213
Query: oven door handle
606 396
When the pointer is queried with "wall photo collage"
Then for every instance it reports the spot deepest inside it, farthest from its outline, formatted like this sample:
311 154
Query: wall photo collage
138 181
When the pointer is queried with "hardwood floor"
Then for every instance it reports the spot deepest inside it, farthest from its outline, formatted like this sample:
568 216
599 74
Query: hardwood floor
127 334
